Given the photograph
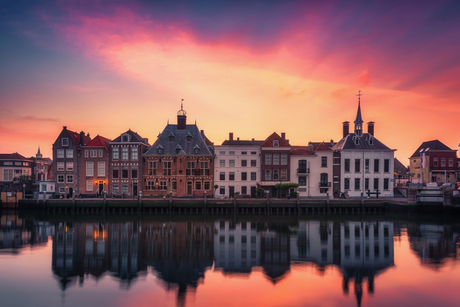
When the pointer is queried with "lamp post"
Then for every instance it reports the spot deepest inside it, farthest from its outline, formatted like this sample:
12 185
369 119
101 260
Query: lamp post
23 191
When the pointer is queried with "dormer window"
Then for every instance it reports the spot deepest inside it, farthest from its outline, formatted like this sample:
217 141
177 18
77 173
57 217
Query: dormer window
276 143
356 141
189 137
160 149
171 137
125 138
371 141
178 149
196 149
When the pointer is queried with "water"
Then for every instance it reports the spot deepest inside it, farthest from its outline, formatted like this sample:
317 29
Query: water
198 261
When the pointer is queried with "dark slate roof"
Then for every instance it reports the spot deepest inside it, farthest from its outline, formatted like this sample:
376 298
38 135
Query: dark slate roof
348 142
243 142
430 145
13 156
134 137
180 142
399 167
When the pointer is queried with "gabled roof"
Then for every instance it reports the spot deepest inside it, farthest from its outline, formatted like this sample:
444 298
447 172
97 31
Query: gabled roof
348 143
75 136
399 167
321 146
179 142
428 146
99 141
274 136
134 137
13 156
301 150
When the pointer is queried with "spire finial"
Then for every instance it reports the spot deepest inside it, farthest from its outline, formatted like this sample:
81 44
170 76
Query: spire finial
359 119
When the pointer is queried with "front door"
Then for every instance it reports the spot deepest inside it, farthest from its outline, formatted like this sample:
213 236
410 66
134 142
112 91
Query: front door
101 187
253 192
189 187
70 193
135 189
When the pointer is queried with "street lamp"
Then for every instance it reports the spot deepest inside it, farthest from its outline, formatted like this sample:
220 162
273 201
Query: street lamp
23 191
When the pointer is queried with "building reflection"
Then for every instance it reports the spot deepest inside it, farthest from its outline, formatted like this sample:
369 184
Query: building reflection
434 244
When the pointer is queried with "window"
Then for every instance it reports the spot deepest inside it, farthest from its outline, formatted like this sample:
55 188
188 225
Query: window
60 153
283 159
276 143
93 153
336 161
174 185
65 142
134 153
190 168
60 178
197 185
253 176
323 161
207 185
324 180
366 165
244 176
8 175
69 178
253 163
366 183
276 159
115 189
284 174
89 185
357 165
347 184
222 176
231 152
86 154
124 187
167 168
134 171
69 153
376 183
435 162
163 185
8 163
100 153
115 153
222 190
244 191
443 162
124 153
125 138
101 169
244 163
150 185
268 159
386 165
231 163
451 162
222 163
89 169
204 168
376 165
222 153
268 174
69 166
347 165
115 172
357 184
276 174
302 181
231 176
253 153
385 183
152 170
124 172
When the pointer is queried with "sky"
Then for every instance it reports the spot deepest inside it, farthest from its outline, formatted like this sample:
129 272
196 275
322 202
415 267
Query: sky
247 67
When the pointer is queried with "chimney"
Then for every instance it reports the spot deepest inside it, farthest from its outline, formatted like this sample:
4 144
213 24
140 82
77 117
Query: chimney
254 140
346 128
283 135
202 132
238 139
181 122
65 127
370 128
230 136
82 138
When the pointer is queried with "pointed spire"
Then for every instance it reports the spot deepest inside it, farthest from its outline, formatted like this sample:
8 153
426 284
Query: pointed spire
38 155
359 120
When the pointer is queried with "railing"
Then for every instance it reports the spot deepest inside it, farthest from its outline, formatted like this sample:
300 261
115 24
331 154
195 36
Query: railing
324 184
303 171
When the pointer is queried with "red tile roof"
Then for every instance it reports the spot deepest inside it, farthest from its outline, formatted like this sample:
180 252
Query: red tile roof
301 150
99 141
76 137
321 146
274 136
13 156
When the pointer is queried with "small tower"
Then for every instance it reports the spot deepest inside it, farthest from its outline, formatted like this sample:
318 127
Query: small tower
181 118
38 155
359 119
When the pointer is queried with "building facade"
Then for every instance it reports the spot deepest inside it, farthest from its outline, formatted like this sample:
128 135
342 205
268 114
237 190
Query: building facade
180 162
126 164
237 168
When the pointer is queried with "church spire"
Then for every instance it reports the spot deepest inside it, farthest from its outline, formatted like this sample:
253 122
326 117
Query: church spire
359 119
38 155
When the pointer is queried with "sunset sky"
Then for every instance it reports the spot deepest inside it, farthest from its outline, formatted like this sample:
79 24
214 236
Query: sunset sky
247 67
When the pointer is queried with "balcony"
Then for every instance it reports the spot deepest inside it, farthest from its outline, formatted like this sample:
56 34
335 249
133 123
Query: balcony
303 170
324 184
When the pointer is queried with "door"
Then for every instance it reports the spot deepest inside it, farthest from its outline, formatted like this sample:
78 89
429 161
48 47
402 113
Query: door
253 192
101 187
189 187
70 193
135 189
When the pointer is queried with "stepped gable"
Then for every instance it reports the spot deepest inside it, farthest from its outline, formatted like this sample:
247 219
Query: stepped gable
430 145
174 141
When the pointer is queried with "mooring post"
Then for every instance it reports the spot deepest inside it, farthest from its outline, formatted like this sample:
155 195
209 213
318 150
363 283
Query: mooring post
327 202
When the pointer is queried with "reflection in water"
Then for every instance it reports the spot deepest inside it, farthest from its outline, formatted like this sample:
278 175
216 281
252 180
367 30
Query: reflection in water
180 253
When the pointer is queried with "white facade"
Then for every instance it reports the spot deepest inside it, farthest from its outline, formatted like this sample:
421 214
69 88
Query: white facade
46 189
363 170
236 170
313 173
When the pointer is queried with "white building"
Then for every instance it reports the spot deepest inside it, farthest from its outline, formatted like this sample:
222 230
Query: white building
366 164
313 168
237 167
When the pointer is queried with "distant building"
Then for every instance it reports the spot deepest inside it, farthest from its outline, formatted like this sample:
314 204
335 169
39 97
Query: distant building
42 167
237 168
275 163
433 162
13 166
366 163
94 173
126 164
180 162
